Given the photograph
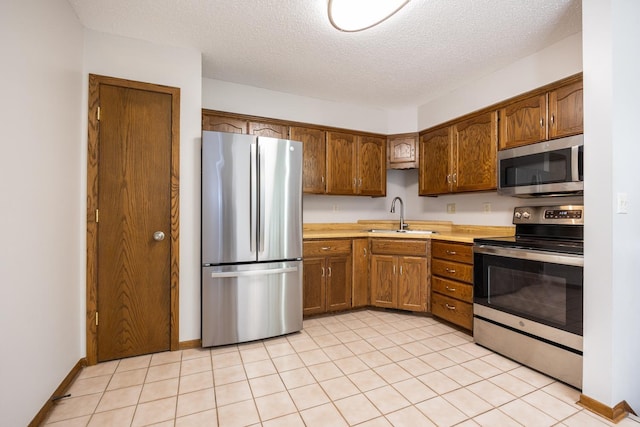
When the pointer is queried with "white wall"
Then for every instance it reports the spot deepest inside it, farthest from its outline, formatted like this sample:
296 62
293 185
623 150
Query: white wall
237 98
40 255
611 66
131 59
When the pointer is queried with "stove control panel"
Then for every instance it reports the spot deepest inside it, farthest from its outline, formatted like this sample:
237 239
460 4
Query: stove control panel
565 215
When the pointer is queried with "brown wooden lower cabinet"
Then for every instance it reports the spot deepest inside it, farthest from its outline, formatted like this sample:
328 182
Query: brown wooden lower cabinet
399 276
327 271
452 282
360 256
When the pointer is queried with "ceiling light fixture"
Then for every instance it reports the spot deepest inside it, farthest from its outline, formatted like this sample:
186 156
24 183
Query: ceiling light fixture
358 15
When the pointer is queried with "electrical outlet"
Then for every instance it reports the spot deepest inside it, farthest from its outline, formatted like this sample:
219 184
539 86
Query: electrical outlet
486 207
451 208
623 204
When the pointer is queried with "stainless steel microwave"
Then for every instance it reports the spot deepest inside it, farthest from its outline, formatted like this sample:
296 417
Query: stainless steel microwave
544 169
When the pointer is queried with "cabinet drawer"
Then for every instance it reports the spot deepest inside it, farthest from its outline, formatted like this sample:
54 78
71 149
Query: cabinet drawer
452 270
458 290
399 247
326 247
453 310
452 251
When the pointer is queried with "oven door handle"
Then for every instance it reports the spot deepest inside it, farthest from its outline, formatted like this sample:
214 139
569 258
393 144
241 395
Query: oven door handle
531 255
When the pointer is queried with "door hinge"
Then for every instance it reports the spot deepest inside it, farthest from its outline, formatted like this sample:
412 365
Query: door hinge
97 215
96 318
98 114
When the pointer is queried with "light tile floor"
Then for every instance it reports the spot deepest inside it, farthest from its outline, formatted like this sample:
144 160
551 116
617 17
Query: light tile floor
365 368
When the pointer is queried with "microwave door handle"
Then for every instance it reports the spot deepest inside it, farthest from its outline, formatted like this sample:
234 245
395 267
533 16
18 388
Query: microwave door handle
575 173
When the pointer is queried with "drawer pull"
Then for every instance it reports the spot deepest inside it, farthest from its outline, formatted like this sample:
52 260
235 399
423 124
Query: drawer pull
329 271
450 307
450 270
451 252
322 272
326 248
450 289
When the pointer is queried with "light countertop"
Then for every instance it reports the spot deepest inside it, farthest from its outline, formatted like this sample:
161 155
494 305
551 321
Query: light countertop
444 230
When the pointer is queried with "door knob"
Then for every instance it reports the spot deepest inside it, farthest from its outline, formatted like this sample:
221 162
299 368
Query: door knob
158 236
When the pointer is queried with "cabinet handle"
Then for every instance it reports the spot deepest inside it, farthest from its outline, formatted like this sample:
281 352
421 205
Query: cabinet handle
449 179
365 251
322 179
329 271
450 289
455 178
541 123
450 270
394 269
450 307
326 248
553 119
355 182
360 182
448 252
322 272
401 270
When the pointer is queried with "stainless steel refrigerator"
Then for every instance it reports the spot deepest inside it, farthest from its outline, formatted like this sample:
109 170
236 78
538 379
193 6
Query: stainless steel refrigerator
251 237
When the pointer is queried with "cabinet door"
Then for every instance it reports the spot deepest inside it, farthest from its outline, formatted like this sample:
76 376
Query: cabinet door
383 281
223 124
313 291
338 275
435 162
565 111
475 149
372 166
269 129
412 283
523 122
402 151
360 292
314 158
341 163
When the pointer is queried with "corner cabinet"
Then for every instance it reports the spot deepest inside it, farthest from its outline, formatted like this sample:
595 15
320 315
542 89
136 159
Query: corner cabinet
327 272
452 282
554 113
460 157
399 274
402 151
356 165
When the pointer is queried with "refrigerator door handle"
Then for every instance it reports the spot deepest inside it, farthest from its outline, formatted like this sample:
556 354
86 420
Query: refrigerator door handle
253 203
261 200
254 272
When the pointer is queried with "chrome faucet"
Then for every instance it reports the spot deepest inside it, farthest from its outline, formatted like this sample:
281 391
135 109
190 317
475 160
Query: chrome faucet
393 210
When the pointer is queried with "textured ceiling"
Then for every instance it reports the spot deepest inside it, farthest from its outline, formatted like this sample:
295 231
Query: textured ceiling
426 49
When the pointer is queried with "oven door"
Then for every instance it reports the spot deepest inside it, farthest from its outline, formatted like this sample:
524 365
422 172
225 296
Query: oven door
543 287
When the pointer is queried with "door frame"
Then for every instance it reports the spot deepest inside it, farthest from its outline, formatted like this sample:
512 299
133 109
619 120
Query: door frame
92 205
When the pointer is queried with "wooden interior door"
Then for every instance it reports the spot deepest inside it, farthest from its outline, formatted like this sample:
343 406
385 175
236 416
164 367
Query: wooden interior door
135 224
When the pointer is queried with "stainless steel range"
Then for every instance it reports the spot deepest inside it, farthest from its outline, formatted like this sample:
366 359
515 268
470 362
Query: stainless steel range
528 291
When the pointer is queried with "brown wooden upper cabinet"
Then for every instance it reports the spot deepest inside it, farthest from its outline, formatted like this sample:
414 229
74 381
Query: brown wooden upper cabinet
460 157
222 123
551 114
402 151
314 158
356 165
269 129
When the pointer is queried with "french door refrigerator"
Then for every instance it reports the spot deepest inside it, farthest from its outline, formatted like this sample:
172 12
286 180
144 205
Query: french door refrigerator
251 237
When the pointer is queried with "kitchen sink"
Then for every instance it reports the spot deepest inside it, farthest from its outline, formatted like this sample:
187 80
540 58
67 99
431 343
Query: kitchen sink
382 230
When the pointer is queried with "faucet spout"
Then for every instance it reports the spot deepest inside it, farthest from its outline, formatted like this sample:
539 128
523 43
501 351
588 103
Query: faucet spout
393 210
